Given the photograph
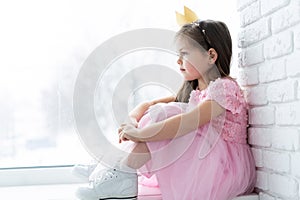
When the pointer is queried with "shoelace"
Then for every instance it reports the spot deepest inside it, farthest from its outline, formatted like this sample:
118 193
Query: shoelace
109 174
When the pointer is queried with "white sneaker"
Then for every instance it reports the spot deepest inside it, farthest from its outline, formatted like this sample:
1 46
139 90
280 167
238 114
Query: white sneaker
112 184
83 171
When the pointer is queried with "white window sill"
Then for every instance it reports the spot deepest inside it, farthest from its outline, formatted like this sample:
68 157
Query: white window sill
40 192
37 176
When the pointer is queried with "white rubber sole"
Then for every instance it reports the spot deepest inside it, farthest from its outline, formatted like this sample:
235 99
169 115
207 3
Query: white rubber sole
120 198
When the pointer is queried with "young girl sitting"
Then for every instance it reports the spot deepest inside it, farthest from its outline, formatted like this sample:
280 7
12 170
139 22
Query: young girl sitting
194 143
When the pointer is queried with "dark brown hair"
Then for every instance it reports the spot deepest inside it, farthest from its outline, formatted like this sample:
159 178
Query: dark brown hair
208 34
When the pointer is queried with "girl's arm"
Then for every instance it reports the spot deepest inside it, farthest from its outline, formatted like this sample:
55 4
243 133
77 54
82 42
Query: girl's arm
138 112
175 126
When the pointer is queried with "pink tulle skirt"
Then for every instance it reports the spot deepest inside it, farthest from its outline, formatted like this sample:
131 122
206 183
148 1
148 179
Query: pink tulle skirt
228 170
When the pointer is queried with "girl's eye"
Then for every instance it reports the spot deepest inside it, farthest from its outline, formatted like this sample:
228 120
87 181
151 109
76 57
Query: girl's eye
183 54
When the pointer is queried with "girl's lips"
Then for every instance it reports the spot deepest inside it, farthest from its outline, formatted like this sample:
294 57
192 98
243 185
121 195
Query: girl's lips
182 69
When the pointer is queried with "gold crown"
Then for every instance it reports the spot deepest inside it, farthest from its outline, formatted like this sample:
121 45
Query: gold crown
189 16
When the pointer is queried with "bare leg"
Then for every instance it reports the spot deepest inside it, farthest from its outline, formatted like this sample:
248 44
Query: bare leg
138 156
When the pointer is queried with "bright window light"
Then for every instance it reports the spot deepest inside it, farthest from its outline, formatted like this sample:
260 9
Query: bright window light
43 44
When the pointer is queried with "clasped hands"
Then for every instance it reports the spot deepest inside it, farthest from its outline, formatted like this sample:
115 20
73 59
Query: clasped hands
129 131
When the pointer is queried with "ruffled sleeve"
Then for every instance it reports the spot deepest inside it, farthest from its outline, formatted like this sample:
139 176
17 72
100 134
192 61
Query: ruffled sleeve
227 94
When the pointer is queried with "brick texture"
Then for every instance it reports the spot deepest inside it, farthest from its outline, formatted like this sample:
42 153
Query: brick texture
269 63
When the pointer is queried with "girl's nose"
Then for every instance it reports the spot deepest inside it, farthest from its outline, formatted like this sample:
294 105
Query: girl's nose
179 61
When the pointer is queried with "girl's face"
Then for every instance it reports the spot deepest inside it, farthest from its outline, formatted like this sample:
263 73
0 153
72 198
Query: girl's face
193 62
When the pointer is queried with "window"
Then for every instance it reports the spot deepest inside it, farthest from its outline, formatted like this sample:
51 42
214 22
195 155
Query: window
43 46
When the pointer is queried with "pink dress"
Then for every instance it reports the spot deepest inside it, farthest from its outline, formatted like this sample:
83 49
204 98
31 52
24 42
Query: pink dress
213 162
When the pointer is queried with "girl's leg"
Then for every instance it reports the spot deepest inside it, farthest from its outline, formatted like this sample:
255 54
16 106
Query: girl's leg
138 156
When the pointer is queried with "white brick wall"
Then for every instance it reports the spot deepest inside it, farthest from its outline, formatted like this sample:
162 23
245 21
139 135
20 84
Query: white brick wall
262 115
286 17
282 91
288 114
269 63
297 37
292 64
273 70
254 32
269 6
279 45
296 164
251 55
250 14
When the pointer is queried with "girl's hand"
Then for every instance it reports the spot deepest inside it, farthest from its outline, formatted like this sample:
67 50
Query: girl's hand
129 121
128 132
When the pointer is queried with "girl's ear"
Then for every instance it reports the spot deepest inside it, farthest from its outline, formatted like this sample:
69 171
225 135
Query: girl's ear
213 55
